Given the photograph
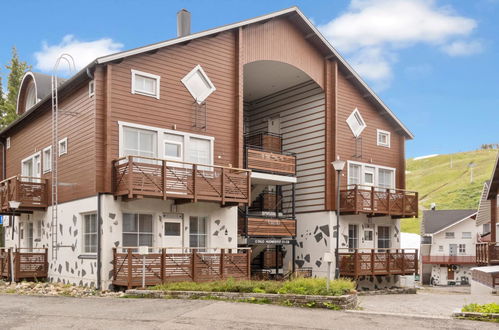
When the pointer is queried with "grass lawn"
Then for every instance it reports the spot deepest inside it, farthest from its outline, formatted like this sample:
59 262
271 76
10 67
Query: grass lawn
306 286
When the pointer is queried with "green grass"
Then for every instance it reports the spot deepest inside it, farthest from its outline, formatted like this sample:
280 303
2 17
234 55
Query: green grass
306 286
485 308
450 188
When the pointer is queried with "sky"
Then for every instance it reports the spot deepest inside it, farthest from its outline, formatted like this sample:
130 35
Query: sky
433 62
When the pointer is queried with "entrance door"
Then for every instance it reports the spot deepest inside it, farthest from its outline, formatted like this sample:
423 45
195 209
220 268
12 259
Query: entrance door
353 237
172 235
450 274
453 249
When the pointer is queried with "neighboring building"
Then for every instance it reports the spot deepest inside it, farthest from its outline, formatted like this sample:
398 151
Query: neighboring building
221 139
448 246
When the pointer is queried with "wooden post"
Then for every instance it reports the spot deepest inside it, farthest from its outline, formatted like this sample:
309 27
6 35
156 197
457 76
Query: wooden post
388 261
248 263
403 203
222 256
130 176
223 185
46 261
17 265
193 263
248 183
356 192
163 177
403 262
194 187
372 262
129 278
372 199
114 264
388 206
356 263
416 262
163 256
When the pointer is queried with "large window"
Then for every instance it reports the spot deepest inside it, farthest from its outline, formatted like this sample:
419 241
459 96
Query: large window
200 151
145 83
31 166
139 142
354 172
386 178
383 237
198 232
90 233
353 236
137 229
371 175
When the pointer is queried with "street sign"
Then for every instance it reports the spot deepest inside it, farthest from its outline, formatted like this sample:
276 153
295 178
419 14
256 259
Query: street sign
279 241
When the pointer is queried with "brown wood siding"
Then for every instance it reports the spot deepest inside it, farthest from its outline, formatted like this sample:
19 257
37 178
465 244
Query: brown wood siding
349 98
176 106
279 40
77 167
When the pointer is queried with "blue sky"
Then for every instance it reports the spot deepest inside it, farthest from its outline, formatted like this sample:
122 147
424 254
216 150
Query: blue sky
434 63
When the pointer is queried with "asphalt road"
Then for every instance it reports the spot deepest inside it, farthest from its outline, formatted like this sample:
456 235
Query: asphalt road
31 312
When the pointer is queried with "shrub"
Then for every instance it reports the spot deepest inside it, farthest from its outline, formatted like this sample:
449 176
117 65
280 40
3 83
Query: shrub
491 308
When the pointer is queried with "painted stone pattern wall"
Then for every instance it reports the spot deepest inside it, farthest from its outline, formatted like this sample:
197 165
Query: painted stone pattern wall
462 274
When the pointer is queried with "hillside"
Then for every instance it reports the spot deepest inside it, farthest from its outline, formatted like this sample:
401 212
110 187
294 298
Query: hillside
448 187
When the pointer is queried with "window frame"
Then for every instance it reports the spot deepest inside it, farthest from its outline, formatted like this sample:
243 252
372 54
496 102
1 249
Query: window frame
463 236
377 169
138 232
91 88
448 235
134 90
188 76
91 234
62 141
355 115
355 238
380 132
461 248
32 158
206 234
387 238
44 167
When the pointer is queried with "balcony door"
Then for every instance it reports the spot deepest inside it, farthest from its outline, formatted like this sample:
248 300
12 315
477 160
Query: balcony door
173 235
383 237
353 237
453 249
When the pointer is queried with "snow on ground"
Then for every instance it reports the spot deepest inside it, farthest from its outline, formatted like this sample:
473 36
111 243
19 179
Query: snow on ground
427 156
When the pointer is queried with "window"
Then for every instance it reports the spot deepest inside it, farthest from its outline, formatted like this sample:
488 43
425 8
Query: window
31 166
47 159
440 248
462 248
386 178
172 228
137 229
354 171
353 237
449 234
63 146
29 236
198 232
174 145
371 175
383 237
383 138
30 96
7 142
466 234
145 84
139 142
486 228
368 235
200 151
356 123
198 84
90 233
91 88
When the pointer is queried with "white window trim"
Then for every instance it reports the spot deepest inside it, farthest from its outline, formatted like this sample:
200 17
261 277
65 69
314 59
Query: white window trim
160 138
149 75
44 170
376 174
91 88
356 111
380 131
190 74
7 142
82 217
33 157
140 211
65 140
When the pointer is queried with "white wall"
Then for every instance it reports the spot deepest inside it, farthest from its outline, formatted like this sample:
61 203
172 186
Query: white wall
440 240
440 274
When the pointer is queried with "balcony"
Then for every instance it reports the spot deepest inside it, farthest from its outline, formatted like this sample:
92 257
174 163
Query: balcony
378 201
27 263
255 226
450 260
164 265
263 153
30 191
370 262
487 253
137 176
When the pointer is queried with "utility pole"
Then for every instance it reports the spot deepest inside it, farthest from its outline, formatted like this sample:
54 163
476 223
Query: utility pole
471 166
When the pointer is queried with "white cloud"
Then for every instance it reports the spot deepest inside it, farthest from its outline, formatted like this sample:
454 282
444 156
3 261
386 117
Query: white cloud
463 48
380 28
83 52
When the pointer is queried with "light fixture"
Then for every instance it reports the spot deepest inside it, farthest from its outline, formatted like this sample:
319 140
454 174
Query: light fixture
338 165
14 204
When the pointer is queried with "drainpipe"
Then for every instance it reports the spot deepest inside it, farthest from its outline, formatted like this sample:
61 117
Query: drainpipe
99 239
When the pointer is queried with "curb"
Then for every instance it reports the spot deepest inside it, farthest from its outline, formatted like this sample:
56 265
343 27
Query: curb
405 315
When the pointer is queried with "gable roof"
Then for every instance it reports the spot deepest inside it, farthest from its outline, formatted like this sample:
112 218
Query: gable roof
436 221
296 16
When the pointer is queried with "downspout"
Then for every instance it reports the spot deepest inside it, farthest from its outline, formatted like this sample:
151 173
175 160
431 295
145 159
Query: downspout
99 243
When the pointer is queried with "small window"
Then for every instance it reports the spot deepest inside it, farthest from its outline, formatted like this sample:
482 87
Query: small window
91 88
172 228
63 146
466 234
440 248
145 83
368 235
47 159
198 84
449 234
90 233
7 142
462 248
356 123
383 138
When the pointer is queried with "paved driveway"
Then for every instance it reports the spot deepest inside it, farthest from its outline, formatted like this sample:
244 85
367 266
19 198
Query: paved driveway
29 312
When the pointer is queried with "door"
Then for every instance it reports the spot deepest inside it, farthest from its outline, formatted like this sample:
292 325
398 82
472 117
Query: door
450 274
172 235
383 237
353 237
29 236
453 249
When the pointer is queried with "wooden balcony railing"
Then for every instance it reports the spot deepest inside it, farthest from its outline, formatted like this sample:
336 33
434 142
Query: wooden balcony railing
137 176
449 260
179 264
378 201
270 161
28 264
266 227
363 262
30 191
487 253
